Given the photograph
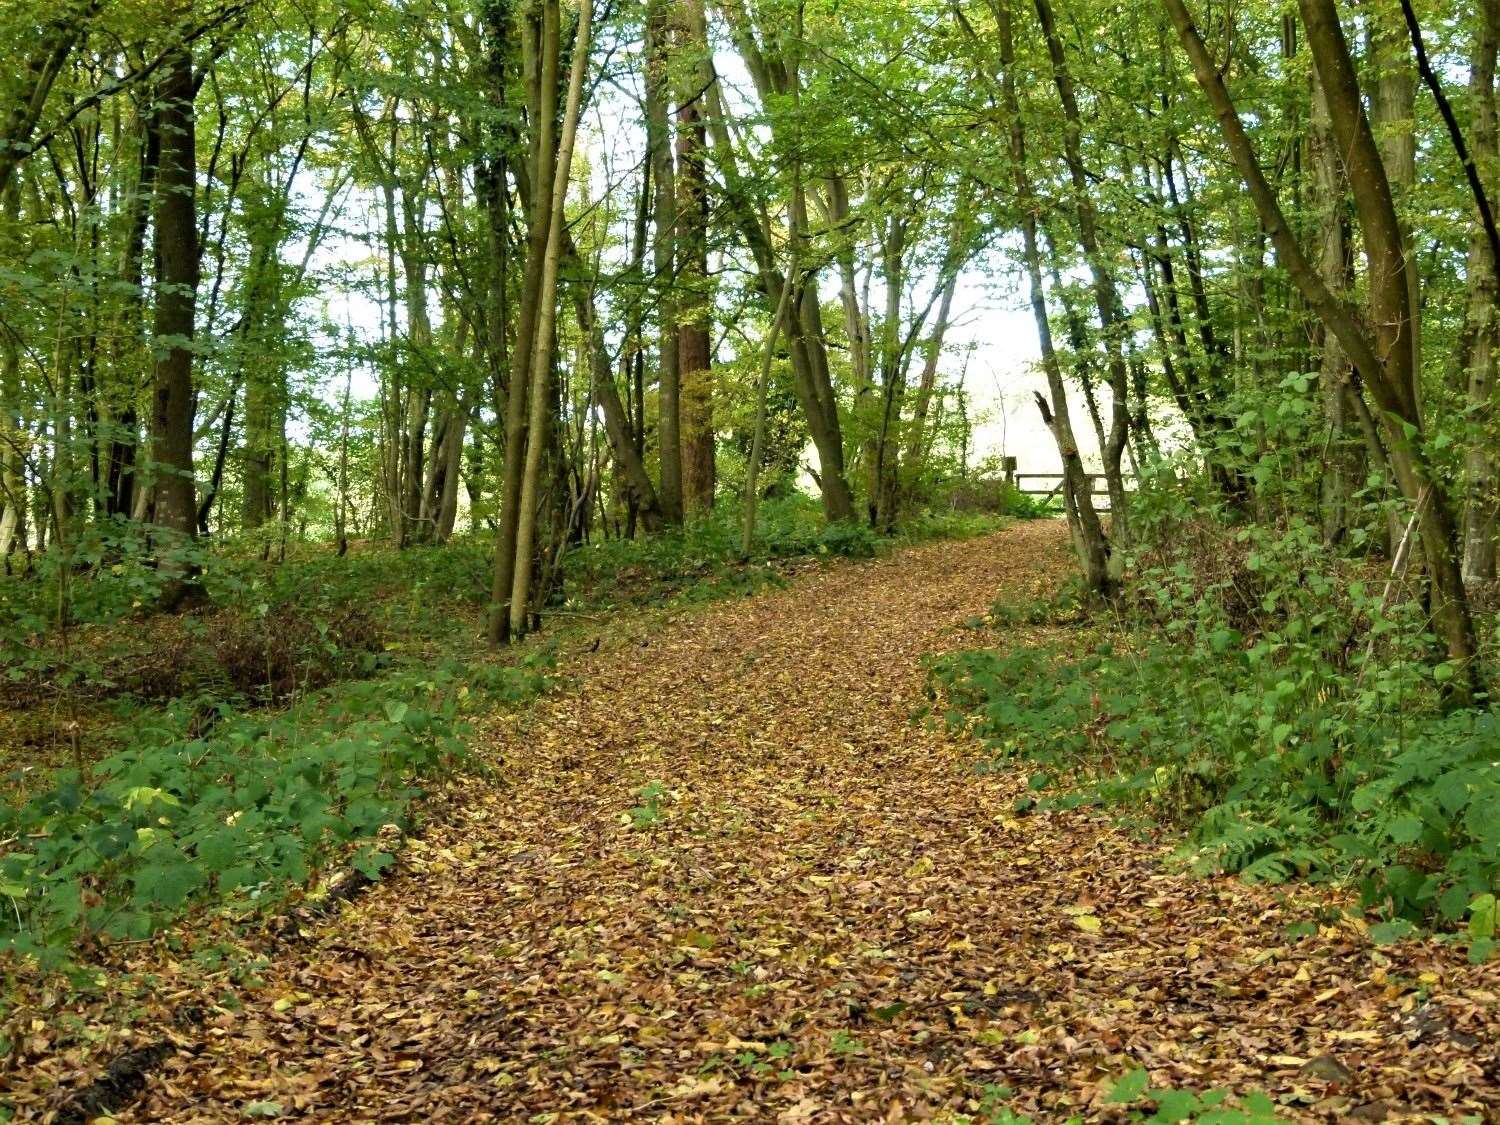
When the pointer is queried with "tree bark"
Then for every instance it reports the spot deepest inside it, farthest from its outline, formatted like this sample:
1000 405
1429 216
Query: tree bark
1482 326
1341 469
1106 296
1089 540
541 405
540 50
694 362
664 217
44 63
177 269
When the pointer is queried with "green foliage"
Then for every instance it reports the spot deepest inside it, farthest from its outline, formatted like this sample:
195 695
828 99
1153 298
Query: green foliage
1212 1107
1275 702
237 814
648 812
1139 1101
701 560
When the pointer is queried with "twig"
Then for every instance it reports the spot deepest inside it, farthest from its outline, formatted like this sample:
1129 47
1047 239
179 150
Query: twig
1398 567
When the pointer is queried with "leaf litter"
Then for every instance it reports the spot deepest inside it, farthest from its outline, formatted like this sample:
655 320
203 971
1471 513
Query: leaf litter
725 873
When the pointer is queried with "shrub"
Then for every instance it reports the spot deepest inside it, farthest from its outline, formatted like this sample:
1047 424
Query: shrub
238 814
1270 697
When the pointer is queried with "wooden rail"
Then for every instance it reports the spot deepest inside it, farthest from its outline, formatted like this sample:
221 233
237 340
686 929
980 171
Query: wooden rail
1098 484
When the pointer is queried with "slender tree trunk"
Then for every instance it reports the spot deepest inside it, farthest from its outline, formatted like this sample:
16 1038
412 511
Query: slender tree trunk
13 499
1481 337
618 426
541 405
664 217
809 349
1078 338
1393 110
130 345
44 62
1092 545
419 398
1340 473
1106 296
265 390
540 44
768 356
693 342
916 439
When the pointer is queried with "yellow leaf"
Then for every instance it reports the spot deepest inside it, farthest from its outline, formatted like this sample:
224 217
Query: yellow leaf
1088 923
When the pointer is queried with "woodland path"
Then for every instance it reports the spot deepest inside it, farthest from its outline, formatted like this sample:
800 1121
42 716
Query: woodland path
834 918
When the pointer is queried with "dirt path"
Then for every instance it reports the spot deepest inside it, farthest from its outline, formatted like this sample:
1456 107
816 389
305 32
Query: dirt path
831 917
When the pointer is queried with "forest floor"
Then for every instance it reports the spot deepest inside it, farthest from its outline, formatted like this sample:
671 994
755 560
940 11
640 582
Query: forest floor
727 871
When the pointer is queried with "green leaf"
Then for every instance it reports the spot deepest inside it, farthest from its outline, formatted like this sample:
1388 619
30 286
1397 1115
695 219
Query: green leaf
370 863
1129 1088
1388 933
1174 1105
1452 791
167 884
1404 829
1482 917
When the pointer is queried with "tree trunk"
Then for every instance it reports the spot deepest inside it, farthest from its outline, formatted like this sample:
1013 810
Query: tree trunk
916 438
1482 327
809 348
540 53
664 212
13 499
264 376
541 405
1089 540
176 297
44 62
1341 468
1106 296
694 361
1393 109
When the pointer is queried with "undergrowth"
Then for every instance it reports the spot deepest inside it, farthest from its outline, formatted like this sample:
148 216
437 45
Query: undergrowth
212 804
1277 702
219 756
702 560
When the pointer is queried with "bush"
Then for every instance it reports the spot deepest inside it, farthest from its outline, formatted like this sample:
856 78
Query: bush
993 496
262 658
238 814
1270 697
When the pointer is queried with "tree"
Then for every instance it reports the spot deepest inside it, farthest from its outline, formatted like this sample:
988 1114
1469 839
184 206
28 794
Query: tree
177 269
